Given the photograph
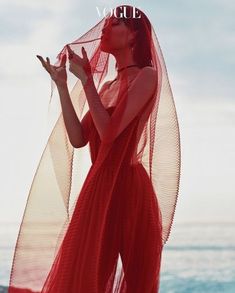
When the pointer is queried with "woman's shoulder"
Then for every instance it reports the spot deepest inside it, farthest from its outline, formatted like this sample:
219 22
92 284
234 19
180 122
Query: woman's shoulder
147 74
150 70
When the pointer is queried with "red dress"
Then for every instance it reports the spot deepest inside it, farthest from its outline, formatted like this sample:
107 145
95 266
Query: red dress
132 230
112 238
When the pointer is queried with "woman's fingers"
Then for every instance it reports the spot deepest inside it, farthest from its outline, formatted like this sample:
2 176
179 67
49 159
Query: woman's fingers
44 64
57 73
84 54
42 61
63 61
47 65
73 55
87 65
52 68
48 62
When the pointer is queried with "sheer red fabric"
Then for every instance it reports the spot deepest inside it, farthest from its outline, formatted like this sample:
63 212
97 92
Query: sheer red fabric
97 217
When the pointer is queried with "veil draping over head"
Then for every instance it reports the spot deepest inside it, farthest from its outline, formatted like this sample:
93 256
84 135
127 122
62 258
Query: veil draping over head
62 173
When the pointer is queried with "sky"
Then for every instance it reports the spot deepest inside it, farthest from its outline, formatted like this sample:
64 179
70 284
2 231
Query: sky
197 39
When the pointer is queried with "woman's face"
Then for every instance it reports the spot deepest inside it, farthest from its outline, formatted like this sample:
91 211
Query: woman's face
115 35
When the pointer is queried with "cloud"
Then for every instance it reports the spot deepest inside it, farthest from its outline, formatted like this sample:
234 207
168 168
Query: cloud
198 45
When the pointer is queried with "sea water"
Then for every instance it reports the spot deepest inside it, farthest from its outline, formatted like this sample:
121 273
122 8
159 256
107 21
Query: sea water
198 258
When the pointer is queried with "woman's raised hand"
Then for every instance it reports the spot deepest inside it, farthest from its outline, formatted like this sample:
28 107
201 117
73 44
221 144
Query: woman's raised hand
80 67
57 73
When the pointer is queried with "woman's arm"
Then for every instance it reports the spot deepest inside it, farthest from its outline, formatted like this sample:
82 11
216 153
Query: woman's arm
78 131
72 123
98 112
139 93
81 68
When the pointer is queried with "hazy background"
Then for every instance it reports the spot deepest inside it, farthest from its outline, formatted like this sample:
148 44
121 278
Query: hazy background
198 43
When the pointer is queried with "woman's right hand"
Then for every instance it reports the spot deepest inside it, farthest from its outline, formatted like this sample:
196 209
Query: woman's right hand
57 73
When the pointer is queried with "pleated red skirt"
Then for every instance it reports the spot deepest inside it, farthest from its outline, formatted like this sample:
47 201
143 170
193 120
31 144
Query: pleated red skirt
130 251
134 232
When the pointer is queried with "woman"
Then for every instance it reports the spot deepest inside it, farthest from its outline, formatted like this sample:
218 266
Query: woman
112 238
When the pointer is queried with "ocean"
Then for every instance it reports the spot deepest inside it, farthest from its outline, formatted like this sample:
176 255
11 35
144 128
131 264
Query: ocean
198 258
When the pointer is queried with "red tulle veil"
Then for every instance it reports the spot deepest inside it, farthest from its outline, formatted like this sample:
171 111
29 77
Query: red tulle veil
62 173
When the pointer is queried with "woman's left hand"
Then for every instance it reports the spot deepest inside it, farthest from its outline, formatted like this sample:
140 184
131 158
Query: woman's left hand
80 67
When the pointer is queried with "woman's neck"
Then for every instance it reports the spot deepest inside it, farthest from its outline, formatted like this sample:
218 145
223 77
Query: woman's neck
124 59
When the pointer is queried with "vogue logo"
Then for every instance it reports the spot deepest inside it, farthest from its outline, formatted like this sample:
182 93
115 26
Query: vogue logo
110 12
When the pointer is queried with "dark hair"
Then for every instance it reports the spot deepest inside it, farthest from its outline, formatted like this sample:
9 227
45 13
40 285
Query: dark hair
142 44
